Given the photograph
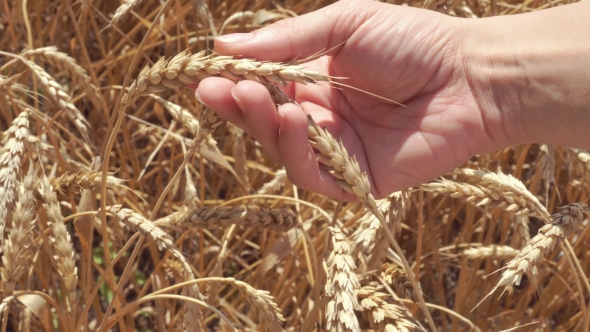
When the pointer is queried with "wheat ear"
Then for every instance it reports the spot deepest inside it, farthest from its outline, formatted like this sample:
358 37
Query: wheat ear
365 236
580 161
281 219
11 152
60 97
383 314
239 152
563 223
493 251
275 185
346 170
74 183
62 242
18 247
341 286
67 64
124 9
139 223
395 276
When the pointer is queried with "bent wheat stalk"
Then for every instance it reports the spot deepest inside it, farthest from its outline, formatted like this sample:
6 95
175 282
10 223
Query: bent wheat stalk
346 170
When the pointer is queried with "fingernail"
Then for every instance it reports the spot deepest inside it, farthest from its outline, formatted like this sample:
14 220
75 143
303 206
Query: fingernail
235 38
238 101
199 98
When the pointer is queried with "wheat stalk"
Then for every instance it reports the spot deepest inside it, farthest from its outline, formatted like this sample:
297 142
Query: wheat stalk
346 170
281 219
60 97
139 223
341 286
563 223
11 152
62 242
18 246
382 313
67 64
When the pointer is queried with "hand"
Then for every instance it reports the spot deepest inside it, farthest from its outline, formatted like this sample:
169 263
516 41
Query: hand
405 54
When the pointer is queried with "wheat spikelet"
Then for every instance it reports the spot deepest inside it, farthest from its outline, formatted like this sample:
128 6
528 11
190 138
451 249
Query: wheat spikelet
382 313
281 219
17 249
341 286
509 189
521 233
488 193
139 223
275 185
11 152
56 92
365 236
186 68
563 224
395 275
62 242
9 83
67 64
493 251
124 9
269 314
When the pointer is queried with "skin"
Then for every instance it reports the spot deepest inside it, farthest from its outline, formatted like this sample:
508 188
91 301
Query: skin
468 86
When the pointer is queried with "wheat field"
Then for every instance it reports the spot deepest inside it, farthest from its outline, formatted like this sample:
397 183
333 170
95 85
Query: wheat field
127 206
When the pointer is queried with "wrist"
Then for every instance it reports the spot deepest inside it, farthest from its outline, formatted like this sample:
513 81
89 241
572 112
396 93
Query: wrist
528 75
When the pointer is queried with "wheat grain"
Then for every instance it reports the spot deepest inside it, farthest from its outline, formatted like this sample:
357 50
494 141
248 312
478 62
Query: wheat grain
62 99
67 64
341 286
563 224
493 251
383 314
18 247
139 223
281 219
62 242
11 153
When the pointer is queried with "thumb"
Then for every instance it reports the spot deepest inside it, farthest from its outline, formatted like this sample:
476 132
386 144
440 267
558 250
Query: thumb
298 37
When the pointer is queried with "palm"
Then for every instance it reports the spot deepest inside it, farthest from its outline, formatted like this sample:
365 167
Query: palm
398 146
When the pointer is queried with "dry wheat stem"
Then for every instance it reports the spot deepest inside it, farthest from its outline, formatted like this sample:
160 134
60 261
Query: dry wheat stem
382 313
563 223
279 219
18 246
11 153
506 187
341 286
139 223
346 170
492 251
67 64
62 241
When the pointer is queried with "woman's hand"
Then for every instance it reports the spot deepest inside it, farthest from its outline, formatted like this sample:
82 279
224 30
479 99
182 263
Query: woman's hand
412 56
